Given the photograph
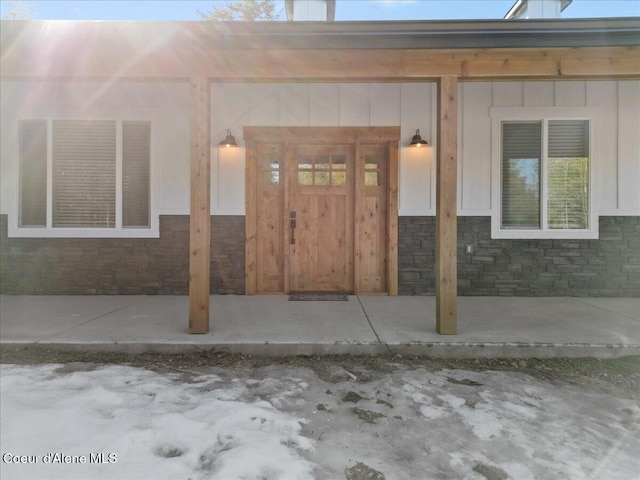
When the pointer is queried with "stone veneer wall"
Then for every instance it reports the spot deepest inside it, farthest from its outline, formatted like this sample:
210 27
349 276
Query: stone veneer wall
122 265
609 266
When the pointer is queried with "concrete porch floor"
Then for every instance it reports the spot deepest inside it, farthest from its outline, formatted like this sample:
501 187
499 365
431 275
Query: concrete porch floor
271 325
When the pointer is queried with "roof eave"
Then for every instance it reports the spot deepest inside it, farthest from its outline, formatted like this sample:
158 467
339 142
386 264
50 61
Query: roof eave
336 35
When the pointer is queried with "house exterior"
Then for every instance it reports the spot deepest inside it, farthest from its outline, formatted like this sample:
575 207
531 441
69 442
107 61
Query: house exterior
525 9
113 181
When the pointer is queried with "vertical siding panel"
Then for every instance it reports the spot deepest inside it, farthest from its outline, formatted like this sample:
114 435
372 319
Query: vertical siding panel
460 147
263 104
385 104
629 146
415 164
539 94
324 104
605 167
475 125
234 115
354 104
570 94
217 93
170 144
233 112
294 105
508 94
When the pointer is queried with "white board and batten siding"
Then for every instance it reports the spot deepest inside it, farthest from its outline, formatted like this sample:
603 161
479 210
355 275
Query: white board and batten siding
616 167
410 105
165 105
413 106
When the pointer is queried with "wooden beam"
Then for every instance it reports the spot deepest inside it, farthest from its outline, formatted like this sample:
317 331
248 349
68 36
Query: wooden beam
446 214
169 63
200 216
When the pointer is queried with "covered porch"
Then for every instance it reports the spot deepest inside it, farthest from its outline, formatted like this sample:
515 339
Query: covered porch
444 53
494 327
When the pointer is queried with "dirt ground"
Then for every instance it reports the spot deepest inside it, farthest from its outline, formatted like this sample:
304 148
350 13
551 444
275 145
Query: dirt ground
619 374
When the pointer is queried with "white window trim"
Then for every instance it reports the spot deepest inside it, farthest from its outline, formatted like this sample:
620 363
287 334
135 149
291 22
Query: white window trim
543 114
14 230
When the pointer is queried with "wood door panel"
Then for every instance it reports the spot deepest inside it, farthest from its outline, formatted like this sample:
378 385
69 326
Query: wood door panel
334 259
322 257
270 219
372 233
304 252
270 251
373 264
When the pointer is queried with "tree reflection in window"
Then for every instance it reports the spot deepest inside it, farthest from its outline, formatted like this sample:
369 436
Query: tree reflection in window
521 193
322 170
271 169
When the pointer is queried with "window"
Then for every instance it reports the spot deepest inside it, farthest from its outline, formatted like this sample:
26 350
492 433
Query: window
521 168
33 173
322 169
544 169
374 169
568 175
136 154
271 168
84 174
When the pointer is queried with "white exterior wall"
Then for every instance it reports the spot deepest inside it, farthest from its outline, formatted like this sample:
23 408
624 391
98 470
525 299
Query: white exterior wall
616 160
410 105
541 9
310 10
165 105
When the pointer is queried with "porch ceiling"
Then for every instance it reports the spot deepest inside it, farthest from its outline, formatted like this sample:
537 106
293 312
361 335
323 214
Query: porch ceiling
339 51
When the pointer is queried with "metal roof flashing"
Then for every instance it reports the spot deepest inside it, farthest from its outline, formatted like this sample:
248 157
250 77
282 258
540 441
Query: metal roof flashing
438 34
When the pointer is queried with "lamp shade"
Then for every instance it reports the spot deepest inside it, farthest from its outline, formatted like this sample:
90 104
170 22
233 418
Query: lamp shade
417 141
229 141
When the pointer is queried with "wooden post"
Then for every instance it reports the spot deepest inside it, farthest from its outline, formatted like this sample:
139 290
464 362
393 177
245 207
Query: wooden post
446 213
200 219
392 221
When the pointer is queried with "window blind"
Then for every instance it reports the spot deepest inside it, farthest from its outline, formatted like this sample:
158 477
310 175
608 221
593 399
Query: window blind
521 161
568 174
84 173
136 153
33 173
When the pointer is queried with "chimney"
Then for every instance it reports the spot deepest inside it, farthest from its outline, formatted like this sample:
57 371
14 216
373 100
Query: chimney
310 10
524 9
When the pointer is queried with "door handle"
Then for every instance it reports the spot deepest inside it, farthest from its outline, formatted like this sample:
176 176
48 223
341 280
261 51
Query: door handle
292 226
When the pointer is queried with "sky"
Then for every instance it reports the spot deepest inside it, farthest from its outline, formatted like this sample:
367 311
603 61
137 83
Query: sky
345 9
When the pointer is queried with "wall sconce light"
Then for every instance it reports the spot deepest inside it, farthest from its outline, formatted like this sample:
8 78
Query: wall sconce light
417 140
229 141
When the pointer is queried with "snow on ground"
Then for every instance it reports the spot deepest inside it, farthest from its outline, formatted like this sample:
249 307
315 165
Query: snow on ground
281 423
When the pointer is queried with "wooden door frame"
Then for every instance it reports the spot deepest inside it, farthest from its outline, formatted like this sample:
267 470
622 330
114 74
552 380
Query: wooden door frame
320 135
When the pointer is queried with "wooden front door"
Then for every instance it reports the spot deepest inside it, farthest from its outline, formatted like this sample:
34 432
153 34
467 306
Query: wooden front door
321 218
322 211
